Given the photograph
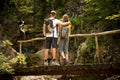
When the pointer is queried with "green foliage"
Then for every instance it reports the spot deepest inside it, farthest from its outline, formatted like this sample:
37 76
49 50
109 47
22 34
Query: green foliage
5 66
91 43
3 44
21 2
19 60
113 17
75 21
75 24
7 42
97 12
25 9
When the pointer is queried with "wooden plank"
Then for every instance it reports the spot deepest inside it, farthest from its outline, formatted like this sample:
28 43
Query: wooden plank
70 70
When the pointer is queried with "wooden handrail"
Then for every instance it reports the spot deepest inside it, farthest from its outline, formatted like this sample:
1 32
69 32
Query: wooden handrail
96 34
77 35
34 39
98 55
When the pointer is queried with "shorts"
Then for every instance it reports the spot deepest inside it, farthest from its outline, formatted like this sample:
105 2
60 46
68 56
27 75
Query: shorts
50 42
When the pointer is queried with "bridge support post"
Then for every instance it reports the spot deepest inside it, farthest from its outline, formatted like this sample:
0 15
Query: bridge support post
97 56
20 47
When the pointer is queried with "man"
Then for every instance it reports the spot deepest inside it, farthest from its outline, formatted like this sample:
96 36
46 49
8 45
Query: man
51 39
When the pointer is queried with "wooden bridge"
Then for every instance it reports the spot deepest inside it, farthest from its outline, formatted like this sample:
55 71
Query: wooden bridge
108 69
72 69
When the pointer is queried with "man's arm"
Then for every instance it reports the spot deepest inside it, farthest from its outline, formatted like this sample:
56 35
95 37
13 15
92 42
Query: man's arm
65 23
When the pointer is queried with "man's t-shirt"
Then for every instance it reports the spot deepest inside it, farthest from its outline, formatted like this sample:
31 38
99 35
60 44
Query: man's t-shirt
55 22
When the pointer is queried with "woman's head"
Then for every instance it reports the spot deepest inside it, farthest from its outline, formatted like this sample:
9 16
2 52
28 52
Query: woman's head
65 18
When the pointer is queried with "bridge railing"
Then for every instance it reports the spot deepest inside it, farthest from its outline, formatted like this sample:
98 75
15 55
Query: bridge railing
96 35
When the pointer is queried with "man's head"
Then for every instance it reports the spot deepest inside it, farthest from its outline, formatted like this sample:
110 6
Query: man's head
53 13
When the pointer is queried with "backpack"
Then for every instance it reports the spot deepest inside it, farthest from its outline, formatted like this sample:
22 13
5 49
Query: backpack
64 32
49 25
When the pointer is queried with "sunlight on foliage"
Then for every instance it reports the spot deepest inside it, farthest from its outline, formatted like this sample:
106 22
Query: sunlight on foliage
87 1
7 42
19 59
4 65
22 1
26 28
26 9
113 17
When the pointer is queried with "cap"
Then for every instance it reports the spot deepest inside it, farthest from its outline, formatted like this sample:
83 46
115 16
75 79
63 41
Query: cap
65 15
53 12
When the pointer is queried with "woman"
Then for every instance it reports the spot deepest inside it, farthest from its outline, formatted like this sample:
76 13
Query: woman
64 39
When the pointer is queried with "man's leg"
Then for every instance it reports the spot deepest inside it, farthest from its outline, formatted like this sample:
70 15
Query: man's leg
54 52
54 47
46 57
54 55
47 47
46 54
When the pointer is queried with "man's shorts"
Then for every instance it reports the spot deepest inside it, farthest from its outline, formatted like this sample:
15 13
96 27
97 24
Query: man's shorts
50 42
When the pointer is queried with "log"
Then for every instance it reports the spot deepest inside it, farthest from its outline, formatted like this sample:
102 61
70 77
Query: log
70 70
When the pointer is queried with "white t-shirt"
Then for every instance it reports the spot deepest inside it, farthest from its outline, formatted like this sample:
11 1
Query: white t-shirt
55 22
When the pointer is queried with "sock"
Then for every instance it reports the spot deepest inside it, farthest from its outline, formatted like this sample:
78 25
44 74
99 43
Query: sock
64 59
53 59
46 60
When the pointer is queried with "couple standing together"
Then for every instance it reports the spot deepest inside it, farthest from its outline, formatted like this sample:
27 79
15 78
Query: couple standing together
51 39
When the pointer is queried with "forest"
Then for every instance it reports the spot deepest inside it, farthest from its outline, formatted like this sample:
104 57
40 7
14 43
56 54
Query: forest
86 16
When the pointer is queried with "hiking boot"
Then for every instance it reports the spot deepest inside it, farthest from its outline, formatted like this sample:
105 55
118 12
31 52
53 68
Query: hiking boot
46 63
55 63
64 62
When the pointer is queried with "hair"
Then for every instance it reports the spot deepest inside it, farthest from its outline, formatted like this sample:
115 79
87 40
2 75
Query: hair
65 18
